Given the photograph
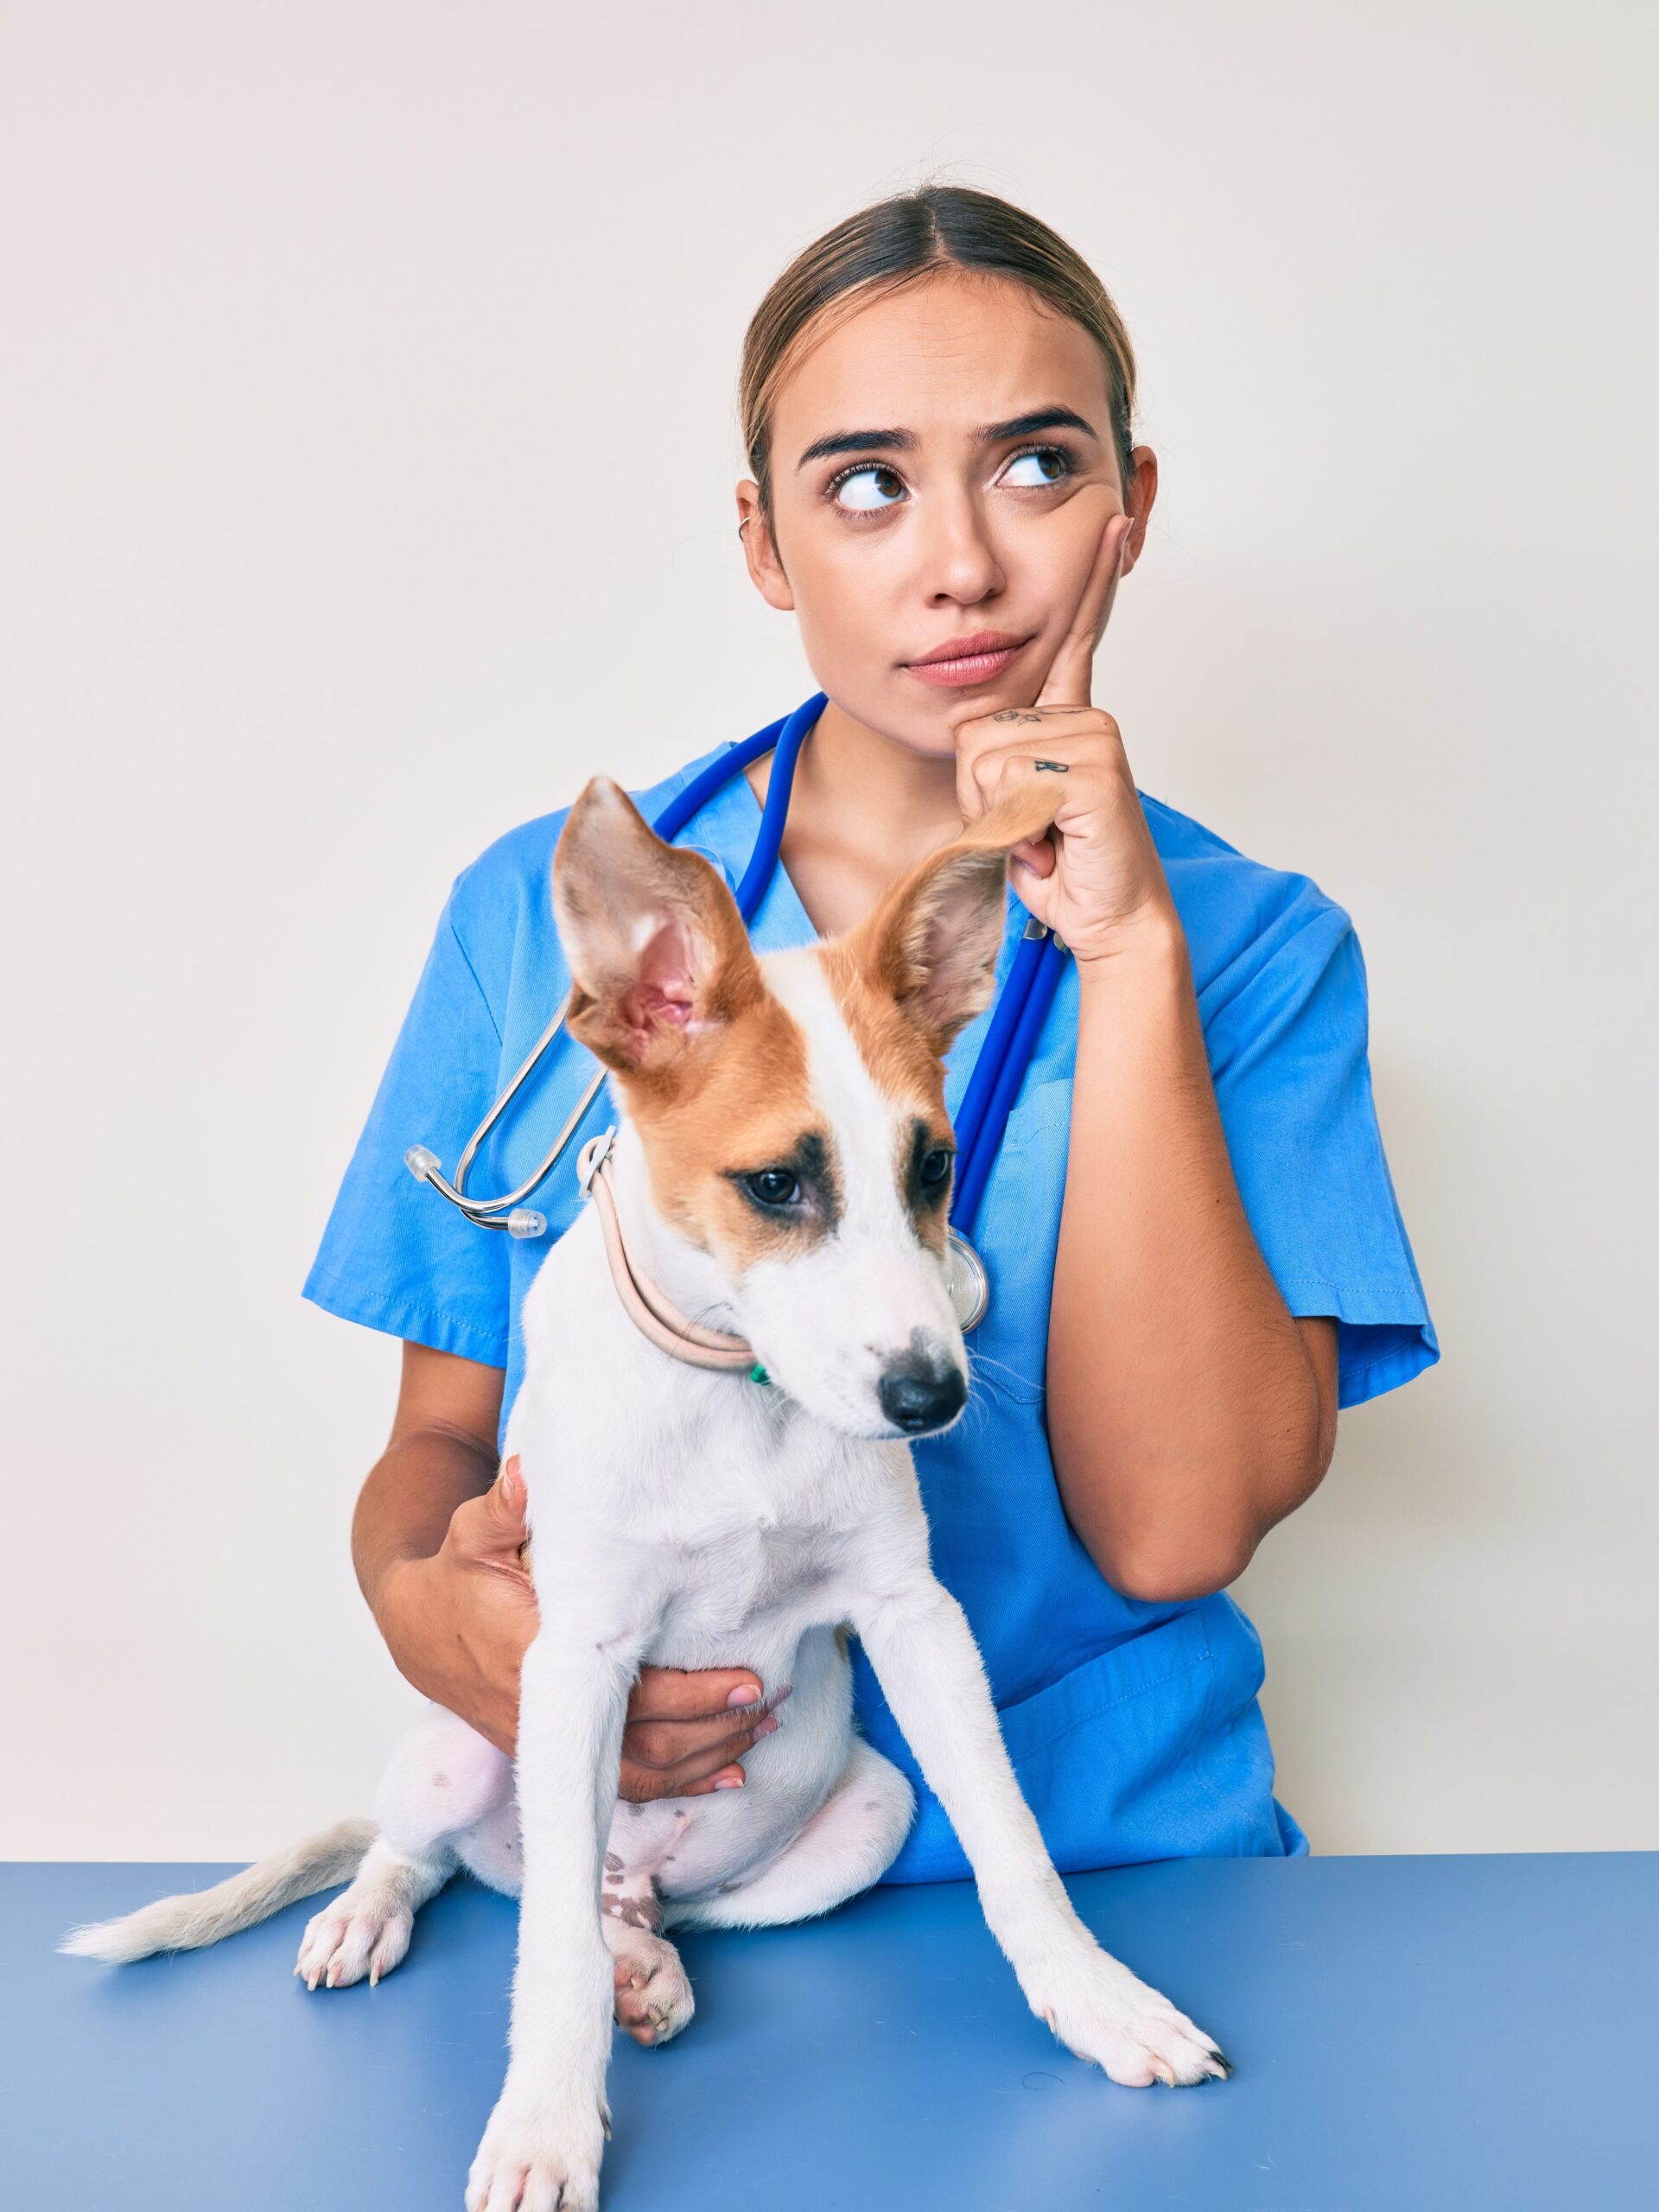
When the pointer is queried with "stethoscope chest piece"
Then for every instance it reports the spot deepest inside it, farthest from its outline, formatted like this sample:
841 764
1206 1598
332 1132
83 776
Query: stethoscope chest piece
966 1280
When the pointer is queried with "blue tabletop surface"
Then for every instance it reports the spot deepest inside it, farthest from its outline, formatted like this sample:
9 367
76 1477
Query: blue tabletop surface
1408 2034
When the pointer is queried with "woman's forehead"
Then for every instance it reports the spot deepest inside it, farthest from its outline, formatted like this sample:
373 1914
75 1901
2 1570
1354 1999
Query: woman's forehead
939 360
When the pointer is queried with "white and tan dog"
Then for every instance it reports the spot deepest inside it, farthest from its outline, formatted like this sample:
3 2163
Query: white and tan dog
782 1171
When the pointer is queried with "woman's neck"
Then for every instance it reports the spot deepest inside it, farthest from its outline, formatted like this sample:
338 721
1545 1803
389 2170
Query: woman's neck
862 808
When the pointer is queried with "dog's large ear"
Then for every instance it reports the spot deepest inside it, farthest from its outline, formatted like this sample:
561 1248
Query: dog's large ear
932 941
660 958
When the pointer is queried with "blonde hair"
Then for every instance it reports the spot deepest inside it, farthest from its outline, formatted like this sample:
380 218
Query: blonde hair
901 240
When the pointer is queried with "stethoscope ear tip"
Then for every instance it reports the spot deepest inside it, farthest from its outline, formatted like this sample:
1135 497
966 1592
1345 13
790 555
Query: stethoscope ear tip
421 1163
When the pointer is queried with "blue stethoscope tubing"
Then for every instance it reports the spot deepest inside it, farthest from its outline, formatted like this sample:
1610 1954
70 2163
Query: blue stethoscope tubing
998 1070
1007 1051
785 739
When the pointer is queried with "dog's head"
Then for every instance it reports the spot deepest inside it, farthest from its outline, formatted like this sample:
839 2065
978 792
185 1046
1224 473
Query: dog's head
791 1104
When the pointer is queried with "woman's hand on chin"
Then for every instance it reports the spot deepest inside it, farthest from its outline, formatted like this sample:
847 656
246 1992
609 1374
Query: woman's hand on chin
1095 878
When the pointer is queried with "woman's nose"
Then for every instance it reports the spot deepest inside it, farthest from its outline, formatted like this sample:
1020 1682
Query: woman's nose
959 560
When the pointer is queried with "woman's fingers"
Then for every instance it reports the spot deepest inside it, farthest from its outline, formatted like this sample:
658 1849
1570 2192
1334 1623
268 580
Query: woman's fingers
1071 672
651 1769
1023 742
643 1784
669 1743
692 1694
1036 853
683 1737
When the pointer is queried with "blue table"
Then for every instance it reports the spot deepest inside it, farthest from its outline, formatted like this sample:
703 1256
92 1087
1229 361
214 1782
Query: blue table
1477 2034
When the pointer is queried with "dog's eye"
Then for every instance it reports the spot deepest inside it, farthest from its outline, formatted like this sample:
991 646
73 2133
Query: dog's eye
773 1186
935 1167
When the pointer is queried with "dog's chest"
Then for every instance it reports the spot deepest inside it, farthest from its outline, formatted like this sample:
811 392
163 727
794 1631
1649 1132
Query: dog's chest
729 1578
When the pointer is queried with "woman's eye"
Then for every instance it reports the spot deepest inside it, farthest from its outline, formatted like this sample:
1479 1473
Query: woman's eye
935 1167
866 479
874 486
1038 459
773 1186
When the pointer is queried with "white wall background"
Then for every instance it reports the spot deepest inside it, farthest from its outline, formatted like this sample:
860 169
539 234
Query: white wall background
366 446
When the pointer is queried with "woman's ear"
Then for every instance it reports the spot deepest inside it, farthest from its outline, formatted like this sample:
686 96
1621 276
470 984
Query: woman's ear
761 549
659 957
932 943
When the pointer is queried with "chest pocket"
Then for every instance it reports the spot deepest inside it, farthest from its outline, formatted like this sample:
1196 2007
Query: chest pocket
1017 1235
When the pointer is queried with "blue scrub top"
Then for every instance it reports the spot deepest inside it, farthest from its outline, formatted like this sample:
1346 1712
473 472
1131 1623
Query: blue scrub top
1134 1724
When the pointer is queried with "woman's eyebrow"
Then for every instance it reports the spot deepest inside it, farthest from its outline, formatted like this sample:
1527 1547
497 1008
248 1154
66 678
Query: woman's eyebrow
1017 426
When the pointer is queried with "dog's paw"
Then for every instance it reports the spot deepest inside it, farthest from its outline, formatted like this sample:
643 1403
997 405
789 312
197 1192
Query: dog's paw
653 1996
534 2159
1103 2013
367 1934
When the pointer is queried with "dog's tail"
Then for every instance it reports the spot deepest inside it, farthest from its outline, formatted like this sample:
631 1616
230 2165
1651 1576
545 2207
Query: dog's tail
199 1916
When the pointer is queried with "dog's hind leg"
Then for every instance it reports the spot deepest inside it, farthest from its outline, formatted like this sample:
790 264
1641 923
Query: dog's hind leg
367 1927
443 1778
850 1842
653 1996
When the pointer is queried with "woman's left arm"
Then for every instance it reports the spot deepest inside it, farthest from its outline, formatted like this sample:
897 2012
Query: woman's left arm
1188 1408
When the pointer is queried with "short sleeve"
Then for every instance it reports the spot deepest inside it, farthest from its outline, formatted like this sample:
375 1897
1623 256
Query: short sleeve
1289 1057
394 1255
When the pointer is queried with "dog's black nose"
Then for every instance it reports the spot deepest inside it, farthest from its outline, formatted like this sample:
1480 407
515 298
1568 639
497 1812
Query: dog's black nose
918 1394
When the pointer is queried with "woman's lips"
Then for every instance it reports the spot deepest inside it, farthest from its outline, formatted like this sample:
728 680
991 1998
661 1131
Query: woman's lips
972 668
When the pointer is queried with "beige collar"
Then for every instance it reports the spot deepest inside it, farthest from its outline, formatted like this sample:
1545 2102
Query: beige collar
652 1312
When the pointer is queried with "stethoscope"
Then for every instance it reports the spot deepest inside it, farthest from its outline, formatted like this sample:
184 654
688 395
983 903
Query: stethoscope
1010 1039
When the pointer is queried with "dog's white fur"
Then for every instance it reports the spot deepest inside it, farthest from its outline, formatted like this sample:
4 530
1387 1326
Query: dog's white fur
693 1519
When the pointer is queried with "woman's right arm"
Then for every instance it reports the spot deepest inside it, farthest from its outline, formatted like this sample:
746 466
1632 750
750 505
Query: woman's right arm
436 1542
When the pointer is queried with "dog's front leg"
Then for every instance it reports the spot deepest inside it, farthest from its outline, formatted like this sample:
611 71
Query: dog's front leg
543 2144
925 1656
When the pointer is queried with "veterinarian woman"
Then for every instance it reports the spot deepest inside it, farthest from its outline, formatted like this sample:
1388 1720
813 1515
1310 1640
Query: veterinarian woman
1194 1251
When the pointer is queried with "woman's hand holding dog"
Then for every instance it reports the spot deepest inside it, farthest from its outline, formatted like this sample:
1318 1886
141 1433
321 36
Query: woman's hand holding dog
459 1624
441 1564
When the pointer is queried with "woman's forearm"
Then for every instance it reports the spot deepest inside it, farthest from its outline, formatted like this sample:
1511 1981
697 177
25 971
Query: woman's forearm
1183 1409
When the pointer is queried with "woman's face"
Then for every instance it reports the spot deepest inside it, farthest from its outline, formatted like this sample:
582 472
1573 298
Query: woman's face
972 474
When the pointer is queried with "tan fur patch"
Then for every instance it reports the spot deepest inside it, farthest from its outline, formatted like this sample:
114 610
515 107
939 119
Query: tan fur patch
902 1063
930 944
736 1101
902 1017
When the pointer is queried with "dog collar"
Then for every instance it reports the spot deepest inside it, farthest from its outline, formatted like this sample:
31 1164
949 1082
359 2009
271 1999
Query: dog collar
646 1305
